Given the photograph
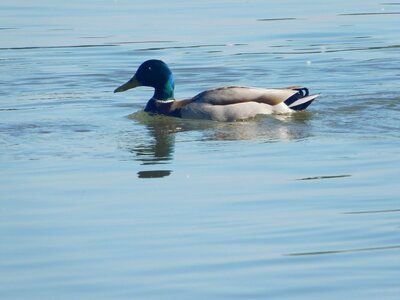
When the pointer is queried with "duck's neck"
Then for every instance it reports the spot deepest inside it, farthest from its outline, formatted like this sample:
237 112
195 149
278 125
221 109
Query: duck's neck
165 92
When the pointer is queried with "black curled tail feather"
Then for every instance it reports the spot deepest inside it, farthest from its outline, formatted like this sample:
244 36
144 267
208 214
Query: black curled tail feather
303 90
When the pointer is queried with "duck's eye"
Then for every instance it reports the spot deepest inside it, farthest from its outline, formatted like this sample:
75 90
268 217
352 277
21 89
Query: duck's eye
149 68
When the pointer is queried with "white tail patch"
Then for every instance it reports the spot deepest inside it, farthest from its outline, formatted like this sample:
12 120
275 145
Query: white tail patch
303 103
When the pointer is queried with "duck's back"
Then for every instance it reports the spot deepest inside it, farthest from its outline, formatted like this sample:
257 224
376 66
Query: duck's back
237 94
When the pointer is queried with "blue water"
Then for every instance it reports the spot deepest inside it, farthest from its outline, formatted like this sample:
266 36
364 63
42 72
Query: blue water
100 201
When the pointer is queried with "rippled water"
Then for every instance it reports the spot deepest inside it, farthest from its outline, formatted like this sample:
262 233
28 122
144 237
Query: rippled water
101 201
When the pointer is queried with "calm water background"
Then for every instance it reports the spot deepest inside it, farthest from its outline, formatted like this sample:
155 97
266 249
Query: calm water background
100 201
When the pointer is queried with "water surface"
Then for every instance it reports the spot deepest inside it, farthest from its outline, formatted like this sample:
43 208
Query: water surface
101 201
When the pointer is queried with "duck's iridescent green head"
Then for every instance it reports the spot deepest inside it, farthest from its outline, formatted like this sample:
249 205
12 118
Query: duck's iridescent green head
153 73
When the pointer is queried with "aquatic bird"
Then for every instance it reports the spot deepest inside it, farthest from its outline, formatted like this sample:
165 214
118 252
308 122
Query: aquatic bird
230 103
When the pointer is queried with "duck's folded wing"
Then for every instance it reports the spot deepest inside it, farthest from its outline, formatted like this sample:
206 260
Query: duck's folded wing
236 94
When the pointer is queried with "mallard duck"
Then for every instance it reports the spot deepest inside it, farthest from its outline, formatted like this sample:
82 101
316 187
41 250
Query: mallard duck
221 104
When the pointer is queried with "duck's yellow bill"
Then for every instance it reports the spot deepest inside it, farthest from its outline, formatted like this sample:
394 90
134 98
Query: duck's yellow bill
129 85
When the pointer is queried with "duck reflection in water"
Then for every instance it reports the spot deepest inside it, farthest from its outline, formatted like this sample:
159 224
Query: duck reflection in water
156 147
158 150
